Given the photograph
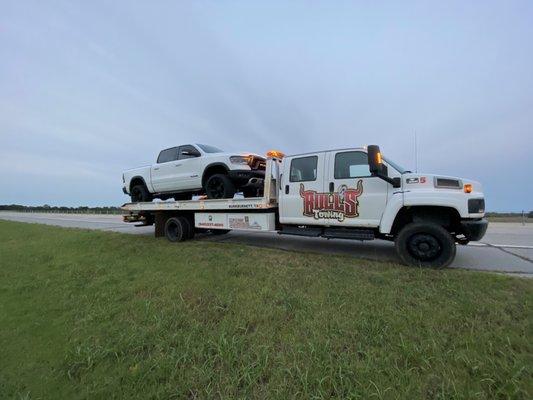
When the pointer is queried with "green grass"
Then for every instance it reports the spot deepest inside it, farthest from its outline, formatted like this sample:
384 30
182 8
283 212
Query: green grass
104 315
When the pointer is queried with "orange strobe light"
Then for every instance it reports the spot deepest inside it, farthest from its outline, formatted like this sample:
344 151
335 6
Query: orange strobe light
468 188
275 154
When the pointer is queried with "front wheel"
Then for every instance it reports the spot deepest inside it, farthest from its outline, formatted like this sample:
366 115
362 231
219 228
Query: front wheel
425 245
219 186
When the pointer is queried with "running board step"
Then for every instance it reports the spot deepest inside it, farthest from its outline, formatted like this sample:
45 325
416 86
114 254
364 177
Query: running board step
329 233
294 230
343 233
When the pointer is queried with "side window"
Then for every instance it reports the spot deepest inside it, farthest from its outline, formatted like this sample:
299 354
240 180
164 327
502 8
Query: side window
351 164
303 169
168 155
188 151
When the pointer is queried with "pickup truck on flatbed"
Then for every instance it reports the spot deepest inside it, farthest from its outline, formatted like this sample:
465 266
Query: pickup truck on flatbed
348 194
183 171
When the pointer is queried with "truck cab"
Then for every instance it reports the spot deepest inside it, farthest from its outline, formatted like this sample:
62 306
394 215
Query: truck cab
359 194
333 188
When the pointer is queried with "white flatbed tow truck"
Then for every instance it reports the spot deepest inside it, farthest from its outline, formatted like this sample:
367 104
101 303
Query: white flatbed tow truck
347 194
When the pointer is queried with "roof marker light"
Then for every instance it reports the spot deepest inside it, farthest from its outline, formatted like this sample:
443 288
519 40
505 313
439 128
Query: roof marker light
275 154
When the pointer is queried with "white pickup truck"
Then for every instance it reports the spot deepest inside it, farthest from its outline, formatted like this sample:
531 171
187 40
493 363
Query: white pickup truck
182 171
349 194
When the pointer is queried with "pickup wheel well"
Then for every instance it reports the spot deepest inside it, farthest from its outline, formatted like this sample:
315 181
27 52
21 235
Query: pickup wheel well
212 169
137 180
447 217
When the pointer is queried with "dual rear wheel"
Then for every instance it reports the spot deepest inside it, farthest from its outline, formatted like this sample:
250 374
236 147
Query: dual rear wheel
178 229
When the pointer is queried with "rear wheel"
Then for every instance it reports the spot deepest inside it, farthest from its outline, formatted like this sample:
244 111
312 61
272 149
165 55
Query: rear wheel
219 186
140 193
425 245
178 229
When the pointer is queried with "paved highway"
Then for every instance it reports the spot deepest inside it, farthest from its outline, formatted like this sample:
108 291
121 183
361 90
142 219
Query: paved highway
507 247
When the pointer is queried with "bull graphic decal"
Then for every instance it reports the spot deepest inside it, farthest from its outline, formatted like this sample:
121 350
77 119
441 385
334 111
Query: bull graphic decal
338 205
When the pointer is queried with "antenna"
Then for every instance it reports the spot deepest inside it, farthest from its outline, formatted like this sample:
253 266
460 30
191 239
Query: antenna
416 154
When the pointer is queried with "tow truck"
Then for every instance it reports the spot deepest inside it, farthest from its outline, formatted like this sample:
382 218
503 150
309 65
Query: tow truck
354 193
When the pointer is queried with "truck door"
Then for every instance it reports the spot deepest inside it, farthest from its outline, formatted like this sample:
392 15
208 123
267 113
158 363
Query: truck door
302 181
162 173
188 168
359 199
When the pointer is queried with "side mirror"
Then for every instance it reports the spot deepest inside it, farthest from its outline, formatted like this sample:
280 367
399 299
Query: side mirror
377 168
375 162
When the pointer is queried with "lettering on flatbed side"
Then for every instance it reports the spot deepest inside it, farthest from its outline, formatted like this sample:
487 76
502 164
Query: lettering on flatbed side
337 205
210 225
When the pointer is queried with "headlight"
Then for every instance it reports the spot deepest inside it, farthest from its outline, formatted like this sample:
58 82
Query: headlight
476 206
239 160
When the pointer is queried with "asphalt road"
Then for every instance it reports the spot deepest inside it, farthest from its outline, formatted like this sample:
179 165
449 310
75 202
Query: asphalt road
507 247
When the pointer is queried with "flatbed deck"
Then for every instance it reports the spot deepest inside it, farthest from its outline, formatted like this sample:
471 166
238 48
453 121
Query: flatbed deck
252 203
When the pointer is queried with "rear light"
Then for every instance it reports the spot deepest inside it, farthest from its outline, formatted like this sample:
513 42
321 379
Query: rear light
468 188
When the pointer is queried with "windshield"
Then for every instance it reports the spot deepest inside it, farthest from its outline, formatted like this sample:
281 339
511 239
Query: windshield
398 168
210 149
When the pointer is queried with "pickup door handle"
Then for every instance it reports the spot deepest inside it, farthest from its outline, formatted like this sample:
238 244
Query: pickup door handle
156 169
177 165
286 189
331 187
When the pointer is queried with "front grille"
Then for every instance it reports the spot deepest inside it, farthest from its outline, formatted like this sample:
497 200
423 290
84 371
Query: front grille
476 206
448 183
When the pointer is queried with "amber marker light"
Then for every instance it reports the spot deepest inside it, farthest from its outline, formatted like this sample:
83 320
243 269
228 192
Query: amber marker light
468 188
378 158
275 154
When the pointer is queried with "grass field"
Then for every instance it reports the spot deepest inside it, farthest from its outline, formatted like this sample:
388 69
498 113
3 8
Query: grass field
87 314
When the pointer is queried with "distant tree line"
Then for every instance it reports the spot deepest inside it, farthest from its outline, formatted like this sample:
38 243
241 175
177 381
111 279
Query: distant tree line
61 209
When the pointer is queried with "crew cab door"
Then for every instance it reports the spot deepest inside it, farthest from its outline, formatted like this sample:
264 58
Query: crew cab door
303 177
189 168
163 173
359 197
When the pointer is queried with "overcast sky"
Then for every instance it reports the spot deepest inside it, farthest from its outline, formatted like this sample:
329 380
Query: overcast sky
90 88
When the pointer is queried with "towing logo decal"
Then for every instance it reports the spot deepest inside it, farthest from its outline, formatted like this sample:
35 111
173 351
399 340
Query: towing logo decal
338 205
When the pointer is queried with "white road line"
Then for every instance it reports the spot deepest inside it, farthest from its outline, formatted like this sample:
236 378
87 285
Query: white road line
505 246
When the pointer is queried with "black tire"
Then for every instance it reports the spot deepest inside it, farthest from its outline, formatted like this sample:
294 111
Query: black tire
219 186
178 229
249 192
192 229
425 245
139 193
